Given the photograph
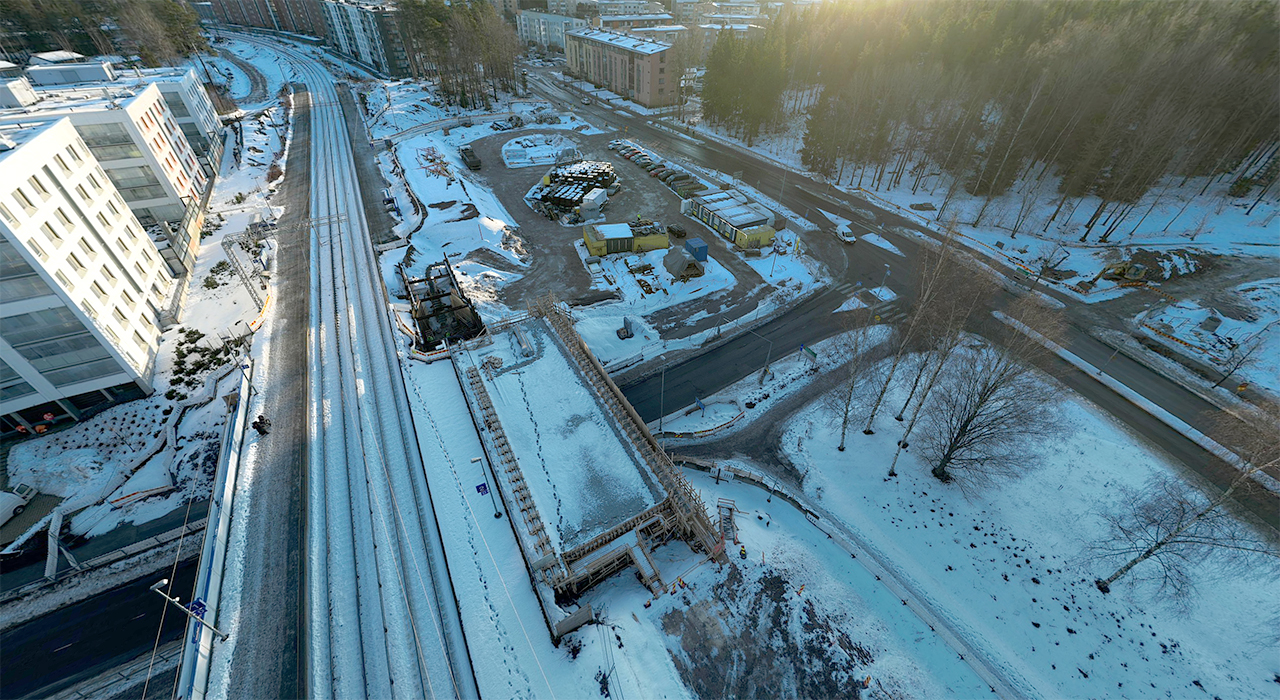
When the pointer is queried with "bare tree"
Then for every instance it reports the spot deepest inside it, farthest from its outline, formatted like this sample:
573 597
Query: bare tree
988 408
943 324
1173 525
1242 354
854 347
937 271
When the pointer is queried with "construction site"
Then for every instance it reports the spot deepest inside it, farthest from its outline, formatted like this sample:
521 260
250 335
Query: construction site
589 490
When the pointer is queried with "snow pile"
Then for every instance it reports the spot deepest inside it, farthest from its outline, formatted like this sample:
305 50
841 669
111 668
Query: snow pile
528 151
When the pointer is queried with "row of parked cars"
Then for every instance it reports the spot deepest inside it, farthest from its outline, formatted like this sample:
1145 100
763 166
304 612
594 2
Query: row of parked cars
682 182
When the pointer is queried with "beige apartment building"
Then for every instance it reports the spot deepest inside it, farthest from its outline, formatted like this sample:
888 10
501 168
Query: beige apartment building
630 66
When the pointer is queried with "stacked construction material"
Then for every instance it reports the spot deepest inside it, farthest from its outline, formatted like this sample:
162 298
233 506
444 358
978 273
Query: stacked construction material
565 195
590 172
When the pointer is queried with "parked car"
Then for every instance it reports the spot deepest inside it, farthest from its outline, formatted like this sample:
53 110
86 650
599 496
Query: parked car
14 502
586 100
658 171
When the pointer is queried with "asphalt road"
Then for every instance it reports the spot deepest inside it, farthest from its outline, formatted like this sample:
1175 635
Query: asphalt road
807 323
53 652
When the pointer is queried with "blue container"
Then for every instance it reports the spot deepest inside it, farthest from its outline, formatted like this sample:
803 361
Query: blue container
697 248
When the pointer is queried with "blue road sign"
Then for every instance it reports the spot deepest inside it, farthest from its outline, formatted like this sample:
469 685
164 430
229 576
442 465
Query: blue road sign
197 608
482 489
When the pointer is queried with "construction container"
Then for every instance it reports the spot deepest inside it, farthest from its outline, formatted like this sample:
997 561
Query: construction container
697 248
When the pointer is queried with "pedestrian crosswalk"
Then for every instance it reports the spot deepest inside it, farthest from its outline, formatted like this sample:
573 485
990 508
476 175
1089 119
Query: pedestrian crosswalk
879 308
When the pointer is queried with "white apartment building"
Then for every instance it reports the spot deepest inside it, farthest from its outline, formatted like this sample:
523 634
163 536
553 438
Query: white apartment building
80 283
135 137
181 89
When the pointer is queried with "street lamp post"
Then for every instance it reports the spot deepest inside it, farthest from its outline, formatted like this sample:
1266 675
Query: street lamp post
886 275
768 356
164 582
496 512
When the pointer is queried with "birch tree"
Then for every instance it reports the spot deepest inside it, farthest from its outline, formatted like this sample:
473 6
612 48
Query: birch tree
1160 531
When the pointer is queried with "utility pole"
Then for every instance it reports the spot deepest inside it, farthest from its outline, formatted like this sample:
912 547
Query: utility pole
768 356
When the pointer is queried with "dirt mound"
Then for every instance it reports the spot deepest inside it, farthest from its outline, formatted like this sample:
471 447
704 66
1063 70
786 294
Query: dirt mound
1173 264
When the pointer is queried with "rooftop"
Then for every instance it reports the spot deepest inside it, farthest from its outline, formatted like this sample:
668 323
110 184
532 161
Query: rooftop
58 56
635 18
63 100
584 476
614 231
17 135
622 41
660 28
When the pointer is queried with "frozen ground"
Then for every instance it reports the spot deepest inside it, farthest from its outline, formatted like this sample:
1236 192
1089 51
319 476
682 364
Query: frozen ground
583 474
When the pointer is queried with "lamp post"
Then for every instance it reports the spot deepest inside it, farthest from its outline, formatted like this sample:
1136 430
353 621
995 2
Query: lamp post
886 275
496 512
768 356
164 582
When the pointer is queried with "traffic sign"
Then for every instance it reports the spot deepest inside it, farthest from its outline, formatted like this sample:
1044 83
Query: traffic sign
482 489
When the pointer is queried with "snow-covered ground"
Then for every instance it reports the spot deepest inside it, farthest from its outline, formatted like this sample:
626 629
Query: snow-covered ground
527 151
1225 328
797 616
1008 565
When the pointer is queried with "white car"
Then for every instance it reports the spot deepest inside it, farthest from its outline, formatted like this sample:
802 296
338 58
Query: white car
14 502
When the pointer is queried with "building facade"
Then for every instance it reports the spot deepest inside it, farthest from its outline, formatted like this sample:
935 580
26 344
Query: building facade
142 152
80 283
546 30
631 66
297 16
369 33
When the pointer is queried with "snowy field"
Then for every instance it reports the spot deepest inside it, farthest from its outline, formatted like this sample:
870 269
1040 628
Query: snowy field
584 476
1008 567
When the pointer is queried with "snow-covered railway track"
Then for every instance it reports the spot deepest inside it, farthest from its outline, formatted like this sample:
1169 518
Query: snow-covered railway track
381 615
